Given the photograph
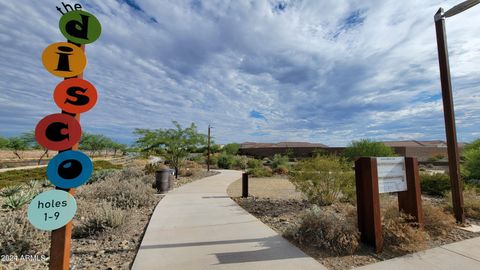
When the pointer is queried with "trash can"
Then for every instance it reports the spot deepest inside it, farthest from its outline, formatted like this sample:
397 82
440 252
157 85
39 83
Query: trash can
162 180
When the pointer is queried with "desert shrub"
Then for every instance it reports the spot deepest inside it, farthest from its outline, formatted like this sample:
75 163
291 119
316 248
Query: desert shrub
254 163
434 184
400 234
18 200
11 190
279 161
437 222
241 162
98 218
122 191
225 161
231 148
471 202
324 180
435 158
282 170
327 231
471 154
101 175
32 183
262 171
18 236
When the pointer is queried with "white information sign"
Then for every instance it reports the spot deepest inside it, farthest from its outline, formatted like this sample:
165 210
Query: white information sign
391 174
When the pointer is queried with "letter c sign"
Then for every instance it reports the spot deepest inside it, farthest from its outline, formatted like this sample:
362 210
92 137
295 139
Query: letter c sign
58 132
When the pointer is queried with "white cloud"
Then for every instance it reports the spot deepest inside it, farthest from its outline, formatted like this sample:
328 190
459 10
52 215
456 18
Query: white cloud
313 75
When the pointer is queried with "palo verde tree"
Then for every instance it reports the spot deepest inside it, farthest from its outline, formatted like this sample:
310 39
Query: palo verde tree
367 148
174 144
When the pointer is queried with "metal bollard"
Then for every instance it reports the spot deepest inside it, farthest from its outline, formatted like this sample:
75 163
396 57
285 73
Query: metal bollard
244 185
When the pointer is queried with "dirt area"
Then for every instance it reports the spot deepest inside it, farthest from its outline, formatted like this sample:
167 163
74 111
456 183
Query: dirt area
268 187
271 205
111 249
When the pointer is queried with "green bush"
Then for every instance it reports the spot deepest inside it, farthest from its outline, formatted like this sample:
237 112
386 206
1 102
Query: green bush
225 161
324 180
11 190
434 184
279 161
231 148
254 163
262 171
326 231
241 162
367 148
18 200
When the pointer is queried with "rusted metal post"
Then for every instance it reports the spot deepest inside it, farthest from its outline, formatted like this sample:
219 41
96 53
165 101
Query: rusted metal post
368 202
449 115
61 238
244 185
208 157
410 201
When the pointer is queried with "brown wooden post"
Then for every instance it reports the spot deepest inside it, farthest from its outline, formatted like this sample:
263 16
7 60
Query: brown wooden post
61 238
368 202
410 201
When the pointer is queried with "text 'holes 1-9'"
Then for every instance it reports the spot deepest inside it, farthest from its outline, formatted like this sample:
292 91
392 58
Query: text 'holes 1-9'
75 95
58 132
51 209
69 169
80 27
64 59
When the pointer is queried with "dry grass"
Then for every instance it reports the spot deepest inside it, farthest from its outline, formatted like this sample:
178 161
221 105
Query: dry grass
332 231
400 234
18 236
127 191
272 187
437 222
471 201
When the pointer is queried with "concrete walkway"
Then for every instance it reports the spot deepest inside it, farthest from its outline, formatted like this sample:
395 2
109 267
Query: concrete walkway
197 226
464 255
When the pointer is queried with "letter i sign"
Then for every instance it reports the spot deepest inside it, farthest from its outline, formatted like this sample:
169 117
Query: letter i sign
53 209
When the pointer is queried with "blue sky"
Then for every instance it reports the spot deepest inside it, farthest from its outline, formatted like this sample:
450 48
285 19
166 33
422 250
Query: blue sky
263 70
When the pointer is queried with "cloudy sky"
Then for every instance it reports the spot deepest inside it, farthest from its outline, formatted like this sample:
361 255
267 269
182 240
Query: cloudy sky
259 70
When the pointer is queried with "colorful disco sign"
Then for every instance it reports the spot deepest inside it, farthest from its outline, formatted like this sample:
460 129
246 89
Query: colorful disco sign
64 59
69 169
51 209
58 132
75 95
80 27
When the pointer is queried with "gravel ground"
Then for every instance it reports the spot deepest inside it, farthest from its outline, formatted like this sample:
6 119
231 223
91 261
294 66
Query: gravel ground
279 211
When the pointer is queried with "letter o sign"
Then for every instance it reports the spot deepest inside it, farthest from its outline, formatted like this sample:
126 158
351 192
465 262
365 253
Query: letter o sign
58 132
69 169
75 95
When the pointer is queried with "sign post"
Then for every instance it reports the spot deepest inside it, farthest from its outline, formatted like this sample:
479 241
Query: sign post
385 175
53 210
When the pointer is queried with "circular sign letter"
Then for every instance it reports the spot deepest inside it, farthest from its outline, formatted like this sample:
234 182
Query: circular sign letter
75 95
80 27
69 169
58 132
51 209
64 59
